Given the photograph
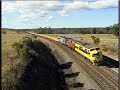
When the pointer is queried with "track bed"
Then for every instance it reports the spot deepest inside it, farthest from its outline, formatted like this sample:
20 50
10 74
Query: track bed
94 77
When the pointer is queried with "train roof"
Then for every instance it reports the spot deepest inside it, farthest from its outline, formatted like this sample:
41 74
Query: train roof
86 45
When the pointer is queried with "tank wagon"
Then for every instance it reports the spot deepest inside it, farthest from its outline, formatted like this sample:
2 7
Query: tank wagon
89 51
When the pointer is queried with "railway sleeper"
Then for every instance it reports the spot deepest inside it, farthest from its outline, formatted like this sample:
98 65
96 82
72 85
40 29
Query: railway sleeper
97 63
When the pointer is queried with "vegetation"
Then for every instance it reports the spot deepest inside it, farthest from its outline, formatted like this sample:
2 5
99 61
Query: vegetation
11 64
105 49
113 29
25 47
22 52
113 50
96 40
4 32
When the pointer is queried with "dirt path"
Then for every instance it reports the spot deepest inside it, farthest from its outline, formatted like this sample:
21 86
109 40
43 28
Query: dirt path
98 78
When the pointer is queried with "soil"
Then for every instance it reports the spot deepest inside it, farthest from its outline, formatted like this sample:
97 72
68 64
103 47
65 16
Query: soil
63 57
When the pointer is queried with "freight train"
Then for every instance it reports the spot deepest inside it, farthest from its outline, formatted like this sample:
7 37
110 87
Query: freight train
89 51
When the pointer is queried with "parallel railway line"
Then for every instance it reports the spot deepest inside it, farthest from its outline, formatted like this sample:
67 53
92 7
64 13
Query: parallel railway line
101 75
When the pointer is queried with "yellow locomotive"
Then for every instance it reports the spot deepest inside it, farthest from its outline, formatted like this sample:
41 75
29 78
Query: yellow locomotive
94 54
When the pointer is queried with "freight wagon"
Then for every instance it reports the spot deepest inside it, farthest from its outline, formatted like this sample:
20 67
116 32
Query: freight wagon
70 43
62 40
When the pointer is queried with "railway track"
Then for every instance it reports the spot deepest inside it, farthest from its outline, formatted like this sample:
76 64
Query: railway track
105 78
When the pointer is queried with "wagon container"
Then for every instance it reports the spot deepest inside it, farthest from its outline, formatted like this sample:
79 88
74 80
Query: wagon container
62 40
70 43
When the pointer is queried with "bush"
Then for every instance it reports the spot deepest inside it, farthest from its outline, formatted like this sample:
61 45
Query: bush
96 41
93 37
112 50
25 53
4 32
23 48
27 41
17 46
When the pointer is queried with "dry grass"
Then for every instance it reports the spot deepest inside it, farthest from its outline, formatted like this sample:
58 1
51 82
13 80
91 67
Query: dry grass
105 39
108 40
7 40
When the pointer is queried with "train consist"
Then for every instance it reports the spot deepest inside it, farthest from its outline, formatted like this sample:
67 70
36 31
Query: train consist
90 52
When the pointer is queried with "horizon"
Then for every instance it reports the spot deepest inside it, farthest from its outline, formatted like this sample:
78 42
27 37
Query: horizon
59 14
55 27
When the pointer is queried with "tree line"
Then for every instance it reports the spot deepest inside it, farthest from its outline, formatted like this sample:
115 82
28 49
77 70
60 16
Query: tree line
112 29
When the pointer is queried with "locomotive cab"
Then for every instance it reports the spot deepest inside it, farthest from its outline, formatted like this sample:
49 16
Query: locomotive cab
96 56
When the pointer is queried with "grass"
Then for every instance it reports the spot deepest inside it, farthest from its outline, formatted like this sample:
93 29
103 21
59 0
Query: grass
108 40
105 39
7 40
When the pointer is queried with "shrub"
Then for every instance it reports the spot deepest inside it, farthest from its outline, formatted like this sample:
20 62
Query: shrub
17 46
4 32
12 76
113 50
93 37
25 53
96 41
27 41
23 48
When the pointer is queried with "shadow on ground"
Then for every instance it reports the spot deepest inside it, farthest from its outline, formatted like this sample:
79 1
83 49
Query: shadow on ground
42 73
111 63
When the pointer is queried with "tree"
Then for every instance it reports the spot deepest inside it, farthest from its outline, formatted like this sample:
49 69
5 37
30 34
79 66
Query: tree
96 41
94 31
108 29
114 30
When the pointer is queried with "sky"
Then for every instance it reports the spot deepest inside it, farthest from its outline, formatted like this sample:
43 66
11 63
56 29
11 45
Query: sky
59 13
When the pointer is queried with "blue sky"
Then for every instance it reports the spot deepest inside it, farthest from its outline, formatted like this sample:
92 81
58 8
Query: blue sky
70 14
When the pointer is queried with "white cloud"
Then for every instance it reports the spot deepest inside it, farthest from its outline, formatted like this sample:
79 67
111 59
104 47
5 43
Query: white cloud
78 5
8 7
49 18
4 22
42 7
63 13
31 10
101 4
